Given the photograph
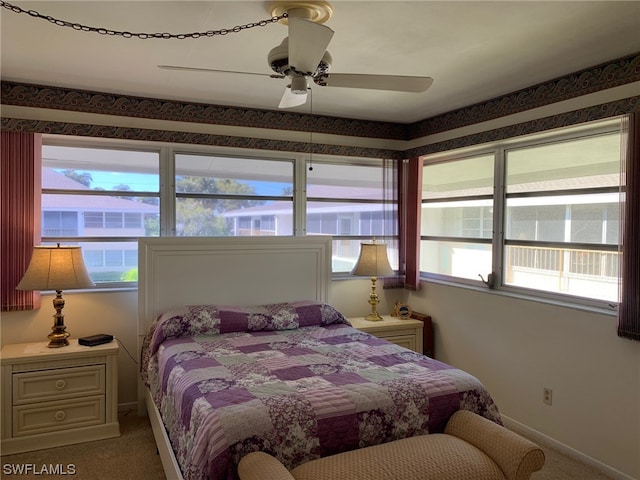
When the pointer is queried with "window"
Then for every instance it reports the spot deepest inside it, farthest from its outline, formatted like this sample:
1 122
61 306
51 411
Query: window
105 198
546 223
457 217
354 203
220 196
59 223
102 199
562 216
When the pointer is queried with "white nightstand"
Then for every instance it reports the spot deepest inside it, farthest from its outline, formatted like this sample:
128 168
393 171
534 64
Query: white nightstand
405 332
58 396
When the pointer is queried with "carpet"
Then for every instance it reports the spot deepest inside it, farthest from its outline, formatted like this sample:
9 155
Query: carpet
133 456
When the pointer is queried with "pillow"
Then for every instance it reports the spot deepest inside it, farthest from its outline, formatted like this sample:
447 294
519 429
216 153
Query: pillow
215 319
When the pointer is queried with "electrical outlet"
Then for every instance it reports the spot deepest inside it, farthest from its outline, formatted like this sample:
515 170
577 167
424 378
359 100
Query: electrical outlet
547 396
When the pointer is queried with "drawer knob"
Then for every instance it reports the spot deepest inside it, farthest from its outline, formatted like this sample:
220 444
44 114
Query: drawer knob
60 415
60 384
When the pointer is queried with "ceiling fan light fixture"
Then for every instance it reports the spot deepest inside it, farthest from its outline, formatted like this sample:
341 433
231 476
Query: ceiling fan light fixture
299 85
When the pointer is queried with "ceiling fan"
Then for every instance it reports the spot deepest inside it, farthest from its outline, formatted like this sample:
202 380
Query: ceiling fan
303 56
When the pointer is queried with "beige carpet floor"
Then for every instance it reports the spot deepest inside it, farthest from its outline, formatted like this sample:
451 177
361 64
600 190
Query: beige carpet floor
561 467
133 456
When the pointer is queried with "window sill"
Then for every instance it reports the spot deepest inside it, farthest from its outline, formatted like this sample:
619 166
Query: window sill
96 289
531 298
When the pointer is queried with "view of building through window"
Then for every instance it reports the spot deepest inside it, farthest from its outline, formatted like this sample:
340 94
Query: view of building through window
354 203
562 216
104 199
226 196
548 221
559 229
457 217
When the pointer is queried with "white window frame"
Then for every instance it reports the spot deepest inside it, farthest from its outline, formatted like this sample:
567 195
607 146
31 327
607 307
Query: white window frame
167 191
498 241
342 240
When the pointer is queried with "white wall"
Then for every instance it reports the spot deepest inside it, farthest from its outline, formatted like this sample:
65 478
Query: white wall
518 347
85 313
514 347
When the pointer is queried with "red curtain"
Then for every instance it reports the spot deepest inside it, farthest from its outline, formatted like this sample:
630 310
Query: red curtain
411 201
629 307
20 212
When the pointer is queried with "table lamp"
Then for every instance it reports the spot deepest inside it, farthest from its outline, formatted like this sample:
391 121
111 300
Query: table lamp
56 268
373 262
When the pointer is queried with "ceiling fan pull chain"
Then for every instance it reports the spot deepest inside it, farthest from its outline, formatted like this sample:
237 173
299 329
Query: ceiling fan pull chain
141 35
311 131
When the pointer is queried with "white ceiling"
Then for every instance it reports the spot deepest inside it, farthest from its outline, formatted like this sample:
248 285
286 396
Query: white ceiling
474 50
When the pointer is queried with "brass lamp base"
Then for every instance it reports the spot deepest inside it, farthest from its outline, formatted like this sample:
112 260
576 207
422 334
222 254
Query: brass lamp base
58 339
374 316
59 335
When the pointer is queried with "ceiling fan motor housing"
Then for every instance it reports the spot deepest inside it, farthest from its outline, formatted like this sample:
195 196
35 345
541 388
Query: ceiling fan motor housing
278 59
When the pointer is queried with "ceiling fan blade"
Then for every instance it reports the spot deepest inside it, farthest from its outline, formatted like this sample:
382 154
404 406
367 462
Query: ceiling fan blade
290 99
396 83
200 69
307 43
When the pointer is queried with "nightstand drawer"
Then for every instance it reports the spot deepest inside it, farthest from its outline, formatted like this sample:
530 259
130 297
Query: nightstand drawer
406 341
42 386
405 332
54 416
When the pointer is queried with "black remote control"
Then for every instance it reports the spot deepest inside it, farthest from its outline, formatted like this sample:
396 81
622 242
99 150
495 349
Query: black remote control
93 340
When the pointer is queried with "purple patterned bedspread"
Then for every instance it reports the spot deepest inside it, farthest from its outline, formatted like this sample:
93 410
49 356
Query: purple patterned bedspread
294 380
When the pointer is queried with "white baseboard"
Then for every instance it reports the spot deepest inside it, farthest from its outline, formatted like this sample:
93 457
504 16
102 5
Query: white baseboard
545 440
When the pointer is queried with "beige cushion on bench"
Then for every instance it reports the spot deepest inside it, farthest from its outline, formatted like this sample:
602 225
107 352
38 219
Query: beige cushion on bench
436 456
471 448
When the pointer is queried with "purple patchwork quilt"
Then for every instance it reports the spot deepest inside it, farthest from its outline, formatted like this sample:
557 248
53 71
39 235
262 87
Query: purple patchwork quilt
294 380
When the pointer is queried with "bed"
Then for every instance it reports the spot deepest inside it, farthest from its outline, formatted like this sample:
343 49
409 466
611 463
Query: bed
242 351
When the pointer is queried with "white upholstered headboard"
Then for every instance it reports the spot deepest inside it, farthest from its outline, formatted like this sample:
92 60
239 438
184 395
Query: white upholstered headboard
178 271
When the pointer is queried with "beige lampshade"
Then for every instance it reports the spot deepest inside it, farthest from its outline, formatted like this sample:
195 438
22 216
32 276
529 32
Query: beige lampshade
56 268
373 261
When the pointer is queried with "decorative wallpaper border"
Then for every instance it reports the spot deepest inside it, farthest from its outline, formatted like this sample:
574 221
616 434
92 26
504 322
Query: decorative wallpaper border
126 133
597 112
59 98
601 77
